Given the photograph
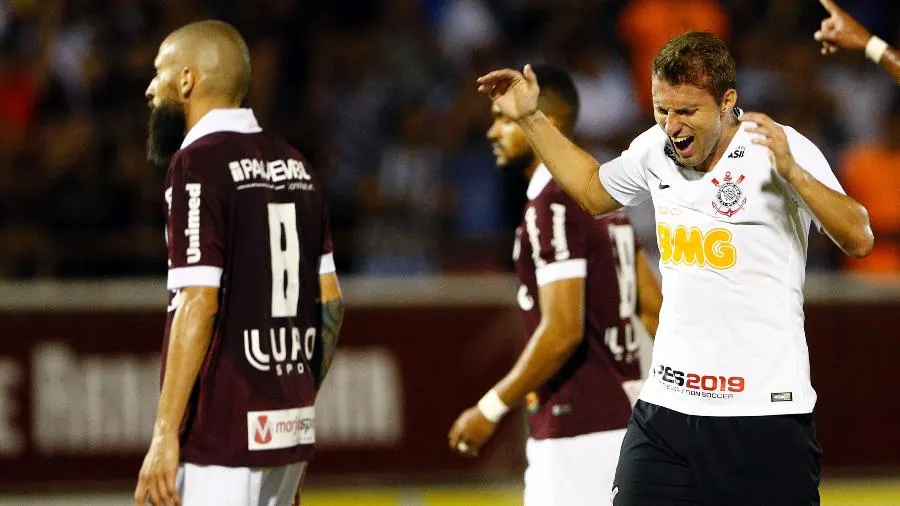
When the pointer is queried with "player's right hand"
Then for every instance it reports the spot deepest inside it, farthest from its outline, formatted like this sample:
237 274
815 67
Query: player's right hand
157 477
840 30
514 92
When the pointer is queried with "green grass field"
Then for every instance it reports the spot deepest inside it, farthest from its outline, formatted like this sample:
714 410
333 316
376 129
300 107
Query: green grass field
856 492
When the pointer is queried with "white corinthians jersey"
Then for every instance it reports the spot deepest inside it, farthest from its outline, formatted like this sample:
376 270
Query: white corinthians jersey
733 257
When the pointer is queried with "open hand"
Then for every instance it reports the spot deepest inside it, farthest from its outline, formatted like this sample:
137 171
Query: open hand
840 30
157 477
514 92
470 431
771 135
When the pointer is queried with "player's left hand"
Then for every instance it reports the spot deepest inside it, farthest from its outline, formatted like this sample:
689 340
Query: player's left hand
157 477
470 431
771 135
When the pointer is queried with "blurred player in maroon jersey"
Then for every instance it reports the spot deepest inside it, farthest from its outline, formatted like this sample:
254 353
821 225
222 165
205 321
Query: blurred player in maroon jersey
583 281
255 307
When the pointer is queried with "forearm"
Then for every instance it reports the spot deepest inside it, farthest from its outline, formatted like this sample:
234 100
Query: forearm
332 319
572 167
844 219
543 357
189 339
890 61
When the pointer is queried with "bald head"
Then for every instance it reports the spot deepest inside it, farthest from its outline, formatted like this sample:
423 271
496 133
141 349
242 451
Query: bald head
200 67
217 56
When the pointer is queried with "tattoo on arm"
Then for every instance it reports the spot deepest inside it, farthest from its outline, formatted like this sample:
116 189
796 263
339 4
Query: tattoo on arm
332 318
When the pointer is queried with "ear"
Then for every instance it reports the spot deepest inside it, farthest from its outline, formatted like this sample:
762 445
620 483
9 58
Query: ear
187 82
729 100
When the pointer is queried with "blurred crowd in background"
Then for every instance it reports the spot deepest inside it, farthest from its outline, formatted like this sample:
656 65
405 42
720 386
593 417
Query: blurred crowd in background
380 96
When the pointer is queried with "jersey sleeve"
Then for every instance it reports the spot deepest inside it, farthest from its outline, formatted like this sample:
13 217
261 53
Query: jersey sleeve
811 159
195 225
625 178
326 262
556 232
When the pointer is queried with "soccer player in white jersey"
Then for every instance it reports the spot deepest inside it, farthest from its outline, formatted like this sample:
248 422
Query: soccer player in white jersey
726 417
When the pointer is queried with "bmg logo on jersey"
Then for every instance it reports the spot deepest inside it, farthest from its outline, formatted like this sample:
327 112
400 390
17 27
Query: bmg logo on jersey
698 385
274 353
192 231
691 246
283 428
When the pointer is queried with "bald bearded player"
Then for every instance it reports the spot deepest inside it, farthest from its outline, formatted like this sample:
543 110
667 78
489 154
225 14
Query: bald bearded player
254 303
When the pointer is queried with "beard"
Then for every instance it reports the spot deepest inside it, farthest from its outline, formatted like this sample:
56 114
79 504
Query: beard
521 161
165 133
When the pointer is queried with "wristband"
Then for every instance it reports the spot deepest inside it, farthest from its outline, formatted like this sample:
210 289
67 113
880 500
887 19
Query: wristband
875 49
492 407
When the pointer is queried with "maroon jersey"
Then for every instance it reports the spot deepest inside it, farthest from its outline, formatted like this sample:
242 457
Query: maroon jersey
246 214
559 240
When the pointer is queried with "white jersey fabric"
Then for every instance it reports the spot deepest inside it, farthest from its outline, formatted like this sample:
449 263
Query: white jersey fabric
733 247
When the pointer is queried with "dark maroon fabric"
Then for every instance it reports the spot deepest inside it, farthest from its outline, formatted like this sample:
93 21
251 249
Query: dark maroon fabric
586 395
255 361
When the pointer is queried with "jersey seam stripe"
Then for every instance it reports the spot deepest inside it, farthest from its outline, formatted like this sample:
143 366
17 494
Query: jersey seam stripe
556 271
197 275
326 264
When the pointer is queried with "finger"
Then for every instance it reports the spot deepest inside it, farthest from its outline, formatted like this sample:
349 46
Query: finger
140 493
154 493
765 132
832 48
529 74
830 6
497 75
762 141
161 490
454 437
171 486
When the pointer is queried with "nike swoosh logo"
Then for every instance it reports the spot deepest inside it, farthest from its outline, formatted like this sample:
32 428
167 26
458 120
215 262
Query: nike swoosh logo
663 186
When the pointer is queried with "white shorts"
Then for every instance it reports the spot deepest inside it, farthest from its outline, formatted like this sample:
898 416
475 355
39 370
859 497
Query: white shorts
573 471
238 486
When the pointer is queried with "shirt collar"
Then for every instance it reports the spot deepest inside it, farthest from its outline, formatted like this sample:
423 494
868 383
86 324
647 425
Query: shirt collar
223 120
538 182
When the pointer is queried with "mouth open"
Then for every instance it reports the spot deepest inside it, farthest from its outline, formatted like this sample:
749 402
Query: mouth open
684 145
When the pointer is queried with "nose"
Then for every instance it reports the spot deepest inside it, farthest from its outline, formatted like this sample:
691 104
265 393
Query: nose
492 133
673 125
149 92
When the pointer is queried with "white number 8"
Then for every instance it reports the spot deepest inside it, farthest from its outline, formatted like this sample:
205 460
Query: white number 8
285 259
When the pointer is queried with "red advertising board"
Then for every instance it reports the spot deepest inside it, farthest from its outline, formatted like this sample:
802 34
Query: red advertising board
79 381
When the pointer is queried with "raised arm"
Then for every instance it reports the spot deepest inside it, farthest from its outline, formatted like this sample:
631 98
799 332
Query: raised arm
840 30
844 219
558 335
516 93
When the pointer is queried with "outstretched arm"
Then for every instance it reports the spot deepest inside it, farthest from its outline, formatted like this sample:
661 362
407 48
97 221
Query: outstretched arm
516 93
840 30
556 338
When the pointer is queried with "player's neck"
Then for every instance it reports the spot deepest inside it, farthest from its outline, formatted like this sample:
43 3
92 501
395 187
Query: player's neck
728 134
529 170
201 108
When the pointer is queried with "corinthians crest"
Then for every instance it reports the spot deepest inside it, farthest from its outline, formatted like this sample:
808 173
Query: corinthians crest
729 198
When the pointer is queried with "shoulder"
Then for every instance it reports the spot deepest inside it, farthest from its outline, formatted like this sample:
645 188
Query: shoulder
553 194
651 140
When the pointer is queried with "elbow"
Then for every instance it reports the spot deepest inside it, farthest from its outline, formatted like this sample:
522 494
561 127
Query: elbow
864 241
862 246
567 341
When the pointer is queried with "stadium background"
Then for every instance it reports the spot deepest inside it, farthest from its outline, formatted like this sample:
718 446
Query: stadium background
380 96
